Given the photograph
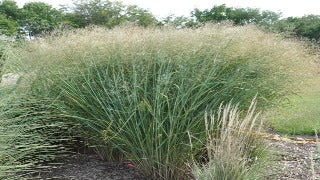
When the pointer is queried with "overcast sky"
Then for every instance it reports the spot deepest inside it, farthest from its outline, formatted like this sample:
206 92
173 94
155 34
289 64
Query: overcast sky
163 8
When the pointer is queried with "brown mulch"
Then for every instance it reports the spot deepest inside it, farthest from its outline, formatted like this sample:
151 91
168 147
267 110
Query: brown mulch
296 158
90 167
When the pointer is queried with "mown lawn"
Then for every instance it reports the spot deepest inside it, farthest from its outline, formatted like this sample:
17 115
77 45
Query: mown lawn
302 115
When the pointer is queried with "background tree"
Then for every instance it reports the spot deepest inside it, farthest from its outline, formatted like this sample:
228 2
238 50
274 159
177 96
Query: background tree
239 16
8 27
38 17
215 14
179 22
97 12
108 14
139 16
242 16
269 17
9 15
10 9
306 26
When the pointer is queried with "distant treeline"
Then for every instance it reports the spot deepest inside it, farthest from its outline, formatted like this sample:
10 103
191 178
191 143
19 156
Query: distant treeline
35 18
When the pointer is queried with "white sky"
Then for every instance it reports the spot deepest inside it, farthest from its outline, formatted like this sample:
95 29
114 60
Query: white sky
163 8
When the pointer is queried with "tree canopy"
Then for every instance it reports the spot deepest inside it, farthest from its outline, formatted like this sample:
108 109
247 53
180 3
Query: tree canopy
9 15
239 16
38 17
10 9
35 18
8 27
306 26
108 14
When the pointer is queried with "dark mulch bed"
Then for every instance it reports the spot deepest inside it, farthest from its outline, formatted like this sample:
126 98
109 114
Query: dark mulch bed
90 167
294 160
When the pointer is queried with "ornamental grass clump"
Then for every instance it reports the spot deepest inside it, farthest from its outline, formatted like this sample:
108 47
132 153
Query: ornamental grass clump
30 135
234 149
138 94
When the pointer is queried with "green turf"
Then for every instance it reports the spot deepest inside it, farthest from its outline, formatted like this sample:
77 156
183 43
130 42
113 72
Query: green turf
301 117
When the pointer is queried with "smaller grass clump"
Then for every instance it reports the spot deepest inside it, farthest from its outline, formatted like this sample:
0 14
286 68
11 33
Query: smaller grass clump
29 135
234 150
